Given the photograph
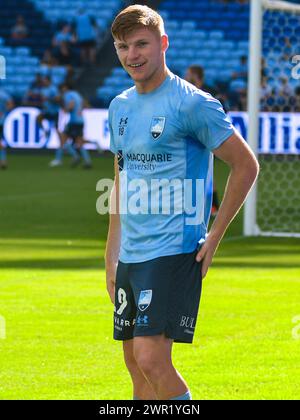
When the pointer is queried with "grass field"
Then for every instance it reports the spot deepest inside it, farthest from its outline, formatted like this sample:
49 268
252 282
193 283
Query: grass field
59 319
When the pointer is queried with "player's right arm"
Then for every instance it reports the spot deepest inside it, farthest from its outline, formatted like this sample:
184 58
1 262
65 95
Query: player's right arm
113 237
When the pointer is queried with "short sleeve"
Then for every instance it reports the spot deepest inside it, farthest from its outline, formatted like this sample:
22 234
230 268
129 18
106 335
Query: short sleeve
205 119
112 145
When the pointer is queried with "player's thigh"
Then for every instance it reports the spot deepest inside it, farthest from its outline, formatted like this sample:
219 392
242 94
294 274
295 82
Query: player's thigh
152 350
79 141
129 355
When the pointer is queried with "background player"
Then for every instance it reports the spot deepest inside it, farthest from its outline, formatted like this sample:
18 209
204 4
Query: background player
153 270
50 107
72 103
6 104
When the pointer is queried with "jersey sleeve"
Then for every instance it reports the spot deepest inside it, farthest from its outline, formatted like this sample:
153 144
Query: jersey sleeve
205 119
112 144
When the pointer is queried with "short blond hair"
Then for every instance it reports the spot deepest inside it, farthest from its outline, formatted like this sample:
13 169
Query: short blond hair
135 17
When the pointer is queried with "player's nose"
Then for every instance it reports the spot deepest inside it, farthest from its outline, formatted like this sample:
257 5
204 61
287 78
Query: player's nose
132 55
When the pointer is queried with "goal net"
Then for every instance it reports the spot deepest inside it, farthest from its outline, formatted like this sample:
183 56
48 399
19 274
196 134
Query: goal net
273 207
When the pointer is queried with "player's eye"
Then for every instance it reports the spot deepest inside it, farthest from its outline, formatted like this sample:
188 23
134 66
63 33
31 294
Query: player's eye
142 44
122 47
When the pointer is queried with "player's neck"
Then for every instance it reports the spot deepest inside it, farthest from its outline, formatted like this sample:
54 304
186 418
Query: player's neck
156 80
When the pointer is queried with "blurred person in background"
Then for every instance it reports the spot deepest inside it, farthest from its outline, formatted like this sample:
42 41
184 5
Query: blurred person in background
63 43
64 54
195 75
64 35
48 59
238 86
34 97
72 103
19 31
50 107
241 72
6 104
86 34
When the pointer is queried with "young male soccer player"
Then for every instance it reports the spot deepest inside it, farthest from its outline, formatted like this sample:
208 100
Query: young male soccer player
163 129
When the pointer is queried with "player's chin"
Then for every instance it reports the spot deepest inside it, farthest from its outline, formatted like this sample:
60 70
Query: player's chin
138 73
138 78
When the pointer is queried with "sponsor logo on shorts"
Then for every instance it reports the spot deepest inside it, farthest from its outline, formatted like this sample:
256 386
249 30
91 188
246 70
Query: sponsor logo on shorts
144 300
188 332
142 321
120 323
187 322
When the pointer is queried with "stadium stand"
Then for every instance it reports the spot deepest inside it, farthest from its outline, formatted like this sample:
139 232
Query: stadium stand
26 57
197 36
56 10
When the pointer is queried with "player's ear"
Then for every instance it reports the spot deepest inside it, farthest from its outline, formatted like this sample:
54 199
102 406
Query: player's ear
164 42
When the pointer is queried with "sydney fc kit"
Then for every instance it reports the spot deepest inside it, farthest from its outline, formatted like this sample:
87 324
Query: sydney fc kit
164 141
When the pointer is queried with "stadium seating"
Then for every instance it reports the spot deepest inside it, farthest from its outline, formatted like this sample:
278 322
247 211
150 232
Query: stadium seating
42 18
197 36
56 10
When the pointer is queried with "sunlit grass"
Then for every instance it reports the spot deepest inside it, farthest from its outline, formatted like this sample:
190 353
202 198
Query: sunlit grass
59 319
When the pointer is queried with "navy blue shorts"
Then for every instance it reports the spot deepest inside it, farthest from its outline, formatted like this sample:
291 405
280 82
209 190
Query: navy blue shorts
160 296
74 130
50 117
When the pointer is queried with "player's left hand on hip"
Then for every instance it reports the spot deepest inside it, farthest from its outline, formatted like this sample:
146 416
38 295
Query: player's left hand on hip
206 254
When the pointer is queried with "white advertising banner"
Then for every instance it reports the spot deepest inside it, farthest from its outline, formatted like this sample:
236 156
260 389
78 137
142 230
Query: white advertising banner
279 132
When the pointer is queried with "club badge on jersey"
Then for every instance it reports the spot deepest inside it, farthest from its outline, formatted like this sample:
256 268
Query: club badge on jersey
157 126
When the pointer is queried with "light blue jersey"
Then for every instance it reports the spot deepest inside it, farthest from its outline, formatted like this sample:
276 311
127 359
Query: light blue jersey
50 105
165 136
84 28
76 114
4 98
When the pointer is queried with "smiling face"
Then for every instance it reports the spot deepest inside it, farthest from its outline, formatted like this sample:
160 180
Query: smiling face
142 54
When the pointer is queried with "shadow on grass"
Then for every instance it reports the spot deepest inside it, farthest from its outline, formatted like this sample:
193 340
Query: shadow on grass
54 264
98 263
255 264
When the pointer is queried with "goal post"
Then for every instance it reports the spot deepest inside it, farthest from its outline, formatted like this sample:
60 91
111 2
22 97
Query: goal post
272 207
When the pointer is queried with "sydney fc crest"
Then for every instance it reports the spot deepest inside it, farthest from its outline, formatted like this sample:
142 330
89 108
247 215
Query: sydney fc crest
157 126
144 299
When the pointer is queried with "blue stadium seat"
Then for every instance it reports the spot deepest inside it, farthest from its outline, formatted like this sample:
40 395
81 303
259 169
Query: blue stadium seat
6 51
189 25
188 53
172 24
216 35
184 34
198 34
22 51
177 43
118 71
15 60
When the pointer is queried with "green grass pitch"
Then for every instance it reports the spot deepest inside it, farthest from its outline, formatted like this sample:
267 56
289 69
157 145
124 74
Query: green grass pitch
58 317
